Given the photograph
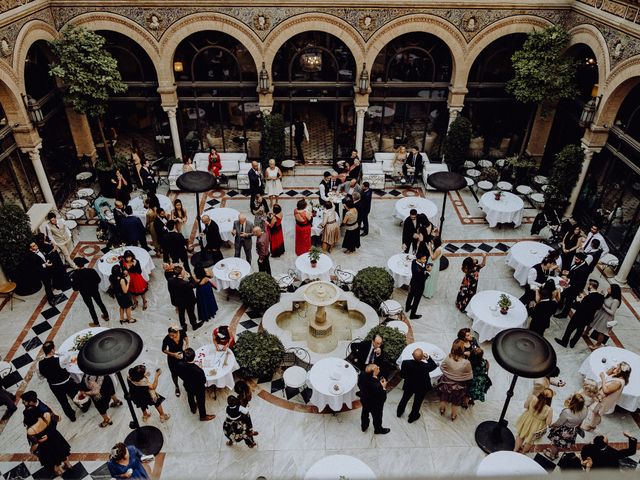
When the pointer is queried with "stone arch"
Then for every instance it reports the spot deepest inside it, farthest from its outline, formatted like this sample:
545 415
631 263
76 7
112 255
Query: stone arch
314 22
484 38
10 96
619 83
199 22
116 23
30 33
442 29
591 37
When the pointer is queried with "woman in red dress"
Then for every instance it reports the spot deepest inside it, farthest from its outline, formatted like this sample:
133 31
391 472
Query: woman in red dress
138 286
275 231
303 227
215 164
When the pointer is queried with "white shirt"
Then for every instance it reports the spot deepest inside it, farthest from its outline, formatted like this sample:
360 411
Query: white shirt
603 244
531 278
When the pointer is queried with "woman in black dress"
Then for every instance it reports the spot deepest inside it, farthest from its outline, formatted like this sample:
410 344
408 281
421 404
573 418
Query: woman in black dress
101 391
352 231
46 442
143 392
173 345
571 242
119 281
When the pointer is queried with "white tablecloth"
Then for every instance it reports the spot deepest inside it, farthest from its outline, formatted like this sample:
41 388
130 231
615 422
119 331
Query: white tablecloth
209 359
524 255
68 357
508 463
110 258
224 267
592 366
400 268
435 352
322 384
336 467
224 217
422 205
320 271
137 205
489 322
508 209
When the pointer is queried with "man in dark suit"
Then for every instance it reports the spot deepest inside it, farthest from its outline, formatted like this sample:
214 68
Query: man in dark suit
366 352
86 281
160 225
594 254
373 394
194 381
213 239
410 230
243 236
256 184
37 265
118 213
182 297
415 160
174 246
543 311
578 275
583 316
536 277
365 208
58 378
132 230
417 382
419 274
329 183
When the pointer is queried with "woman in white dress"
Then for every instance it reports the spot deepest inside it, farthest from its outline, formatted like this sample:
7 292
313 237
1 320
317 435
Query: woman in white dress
273 177
398 160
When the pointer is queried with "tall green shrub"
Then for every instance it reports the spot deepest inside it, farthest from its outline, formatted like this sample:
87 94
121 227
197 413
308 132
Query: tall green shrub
258 354
372 285
564 176
15 237
259 291
456 143
272 143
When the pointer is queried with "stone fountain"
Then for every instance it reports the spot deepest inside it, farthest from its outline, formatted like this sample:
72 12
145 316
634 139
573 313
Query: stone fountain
321 294
321 318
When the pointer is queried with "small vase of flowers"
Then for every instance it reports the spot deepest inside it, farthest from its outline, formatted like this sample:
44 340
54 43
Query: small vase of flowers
498 195
314 256
504 302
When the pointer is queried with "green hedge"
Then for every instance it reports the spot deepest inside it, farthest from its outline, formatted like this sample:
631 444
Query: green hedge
373 285
258 354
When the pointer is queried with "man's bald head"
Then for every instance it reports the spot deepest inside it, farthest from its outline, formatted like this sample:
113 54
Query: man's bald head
418 354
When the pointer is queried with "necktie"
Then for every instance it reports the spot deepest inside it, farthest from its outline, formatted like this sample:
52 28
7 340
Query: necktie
371 355
589 238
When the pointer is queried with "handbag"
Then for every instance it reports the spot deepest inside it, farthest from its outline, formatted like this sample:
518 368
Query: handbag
627 464
539 434
594 336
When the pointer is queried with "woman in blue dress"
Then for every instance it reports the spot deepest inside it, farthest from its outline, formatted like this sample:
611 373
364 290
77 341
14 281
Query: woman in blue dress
125 462
207 305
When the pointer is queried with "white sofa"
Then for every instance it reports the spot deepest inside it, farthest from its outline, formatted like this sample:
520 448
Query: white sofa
231 166
372 173
386 161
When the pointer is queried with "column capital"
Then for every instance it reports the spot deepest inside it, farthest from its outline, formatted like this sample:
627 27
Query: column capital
266 109
33 151
361 111
164 88
455 108
170 110
589 150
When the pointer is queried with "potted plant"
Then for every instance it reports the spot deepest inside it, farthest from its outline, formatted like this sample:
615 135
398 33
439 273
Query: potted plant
259 291
456 143
15 237
394 341
498 195
504 302
259 354
520 166
563 177
372 285
491 174
272 143
314 256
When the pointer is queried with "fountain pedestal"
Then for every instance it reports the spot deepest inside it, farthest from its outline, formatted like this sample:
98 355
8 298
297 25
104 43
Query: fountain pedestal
321 294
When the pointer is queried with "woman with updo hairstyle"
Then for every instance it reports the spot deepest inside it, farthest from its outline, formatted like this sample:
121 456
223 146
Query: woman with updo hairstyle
126 462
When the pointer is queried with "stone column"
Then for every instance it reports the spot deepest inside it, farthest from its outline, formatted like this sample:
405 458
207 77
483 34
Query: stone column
81 134
453 114
34 155
588 155
540 130
629 259
173 126
360 112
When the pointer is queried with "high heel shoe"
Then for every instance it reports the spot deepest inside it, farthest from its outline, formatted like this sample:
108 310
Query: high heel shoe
453 417
123 321
144 305
442 410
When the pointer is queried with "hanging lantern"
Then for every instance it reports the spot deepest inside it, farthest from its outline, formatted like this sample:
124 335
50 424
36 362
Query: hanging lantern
35 112
264 80
311 61
178 67
588 113
364 80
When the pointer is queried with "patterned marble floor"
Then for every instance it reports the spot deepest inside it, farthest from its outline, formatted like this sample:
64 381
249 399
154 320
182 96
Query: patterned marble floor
292 435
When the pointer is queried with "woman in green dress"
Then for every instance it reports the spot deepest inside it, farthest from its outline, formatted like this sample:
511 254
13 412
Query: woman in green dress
435 254
481 381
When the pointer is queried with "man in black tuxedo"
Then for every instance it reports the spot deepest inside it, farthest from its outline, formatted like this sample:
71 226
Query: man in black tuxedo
583 316
365 208
417 382
174 246
536 277
415 160
160 225
87 282
328 183
542 312
194 381
373 394
118 213
419 274
578 275
594 254
213 239
366 352
256 184
410 230
132 230
37 264
58 378
182 297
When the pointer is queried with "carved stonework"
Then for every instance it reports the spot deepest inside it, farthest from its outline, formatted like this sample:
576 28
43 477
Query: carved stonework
261 22
618 49
5 48
367 22
10 31
469 23
153 22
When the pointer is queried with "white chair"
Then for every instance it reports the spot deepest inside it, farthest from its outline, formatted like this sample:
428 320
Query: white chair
505 186
524 190
296 361
398 325
537 200
470 182
284 281
391 309
544 188
294 377
344 278
485 185
473 173
540 180
469 164
485 163
609 261
501 163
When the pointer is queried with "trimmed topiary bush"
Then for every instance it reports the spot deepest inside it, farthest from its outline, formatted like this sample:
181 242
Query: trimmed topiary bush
15 237
258 354
373 285
259 291
394 341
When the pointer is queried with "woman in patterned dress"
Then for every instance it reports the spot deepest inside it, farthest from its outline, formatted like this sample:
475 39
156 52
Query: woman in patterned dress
564 430
469 286
481 382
